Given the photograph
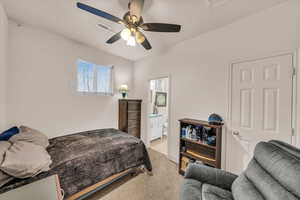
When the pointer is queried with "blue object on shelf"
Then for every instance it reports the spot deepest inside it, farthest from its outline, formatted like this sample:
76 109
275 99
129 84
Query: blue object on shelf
211 140
183 132
215 119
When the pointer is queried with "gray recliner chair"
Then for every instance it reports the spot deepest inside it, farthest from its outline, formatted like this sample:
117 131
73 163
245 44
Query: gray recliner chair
272 174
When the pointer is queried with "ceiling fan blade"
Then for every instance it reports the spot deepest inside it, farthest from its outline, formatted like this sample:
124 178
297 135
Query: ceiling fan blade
114 38
136 8
146 44
160 27
99 13
141 38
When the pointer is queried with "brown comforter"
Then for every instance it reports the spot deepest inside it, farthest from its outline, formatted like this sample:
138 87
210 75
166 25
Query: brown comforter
86 158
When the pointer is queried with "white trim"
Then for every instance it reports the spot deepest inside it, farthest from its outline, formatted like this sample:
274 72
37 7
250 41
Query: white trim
297 101
227 121
95 94
173 159
295 92
294 100
170 157
263 56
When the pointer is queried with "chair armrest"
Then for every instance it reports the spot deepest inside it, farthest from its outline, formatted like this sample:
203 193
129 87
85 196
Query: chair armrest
210 175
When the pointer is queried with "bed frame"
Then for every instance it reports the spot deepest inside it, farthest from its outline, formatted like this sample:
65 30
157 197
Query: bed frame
83 194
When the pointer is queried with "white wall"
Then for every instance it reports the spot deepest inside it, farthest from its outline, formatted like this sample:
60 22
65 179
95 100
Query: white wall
198 67
42 71
3 67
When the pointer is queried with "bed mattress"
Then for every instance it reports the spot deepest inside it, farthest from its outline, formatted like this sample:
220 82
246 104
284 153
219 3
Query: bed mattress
84 159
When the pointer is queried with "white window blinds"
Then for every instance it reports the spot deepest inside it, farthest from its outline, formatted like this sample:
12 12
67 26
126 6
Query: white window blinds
92 78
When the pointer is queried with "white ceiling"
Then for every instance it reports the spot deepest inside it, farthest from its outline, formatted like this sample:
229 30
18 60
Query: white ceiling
196 17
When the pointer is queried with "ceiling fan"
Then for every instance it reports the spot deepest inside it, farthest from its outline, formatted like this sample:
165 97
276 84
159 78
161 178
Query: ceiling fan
133 22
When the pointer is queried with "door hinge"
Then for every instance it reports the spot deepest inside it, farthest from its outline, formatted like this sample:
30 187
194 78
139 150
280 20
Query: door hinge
293 132
294 71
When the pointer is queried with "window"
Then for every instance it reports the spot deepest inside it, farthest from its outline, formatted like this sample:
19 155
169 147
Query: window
92 78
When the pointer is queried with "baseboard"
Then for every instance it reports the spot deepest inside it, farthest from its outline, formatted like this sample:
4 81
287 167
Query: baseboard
173 159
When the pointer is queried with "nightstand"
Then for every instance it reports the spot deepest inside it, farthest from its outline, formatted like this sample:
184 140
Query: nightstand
45 189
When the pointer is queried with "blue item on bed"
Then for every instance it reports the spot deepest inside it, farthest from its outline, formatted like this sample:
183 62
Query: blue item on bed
4 136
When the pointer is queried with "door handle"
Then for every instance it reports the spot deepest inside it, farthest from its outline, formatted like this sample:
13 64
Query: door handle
236 133
240 136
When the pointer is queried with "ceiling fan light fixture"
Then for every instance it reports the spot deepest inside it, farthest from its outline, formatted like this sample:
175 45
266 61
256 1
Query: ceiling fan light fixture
139 37
126 34
134 23
131 41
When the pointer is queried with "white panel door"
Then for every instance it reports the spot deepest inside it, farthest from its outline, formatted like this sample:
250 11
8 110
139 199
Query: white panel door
261 107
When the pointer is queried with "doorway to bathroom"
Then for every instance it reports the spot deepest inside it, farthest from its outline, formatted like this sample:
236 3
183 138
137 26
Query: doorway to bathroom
158 114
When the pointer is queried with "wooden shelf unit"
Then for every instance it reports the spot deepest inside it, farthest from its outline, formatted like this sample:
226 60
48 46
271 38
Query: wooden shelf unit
198 150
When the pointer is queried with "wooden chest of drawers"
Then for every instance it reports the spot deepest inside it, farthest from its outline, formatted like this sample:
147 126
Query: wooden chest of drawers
130 116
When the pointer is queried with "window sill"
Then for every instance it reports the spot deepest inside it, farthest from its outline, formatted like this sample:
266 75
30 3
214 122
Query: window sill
94 94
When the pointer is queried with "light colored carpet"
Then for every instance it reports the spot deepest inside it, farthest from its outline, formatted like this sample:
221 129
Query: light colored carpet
163 185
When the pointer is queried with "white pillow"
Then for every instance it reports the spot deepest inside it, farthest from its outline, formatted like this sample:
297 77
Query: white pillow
30 135
4 178
25 159
4 146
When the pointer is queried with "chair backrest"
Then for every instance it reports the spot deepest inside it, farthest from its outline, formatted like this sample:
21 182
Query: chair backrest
272 174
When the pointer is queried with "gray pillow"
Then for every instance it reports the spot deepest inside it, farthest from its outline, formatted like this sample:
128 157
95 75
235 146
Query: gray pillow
24 160
30 135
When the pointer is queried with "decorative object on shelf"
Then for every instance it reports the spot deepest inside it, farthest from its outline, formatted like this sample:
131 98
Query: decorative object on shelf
211 140
124 90
198 133
184 162
161 99
215 119
200 141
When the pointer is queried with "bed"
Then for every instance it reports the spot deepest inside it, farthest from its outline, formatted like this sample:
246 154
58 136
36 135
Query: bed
88 161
